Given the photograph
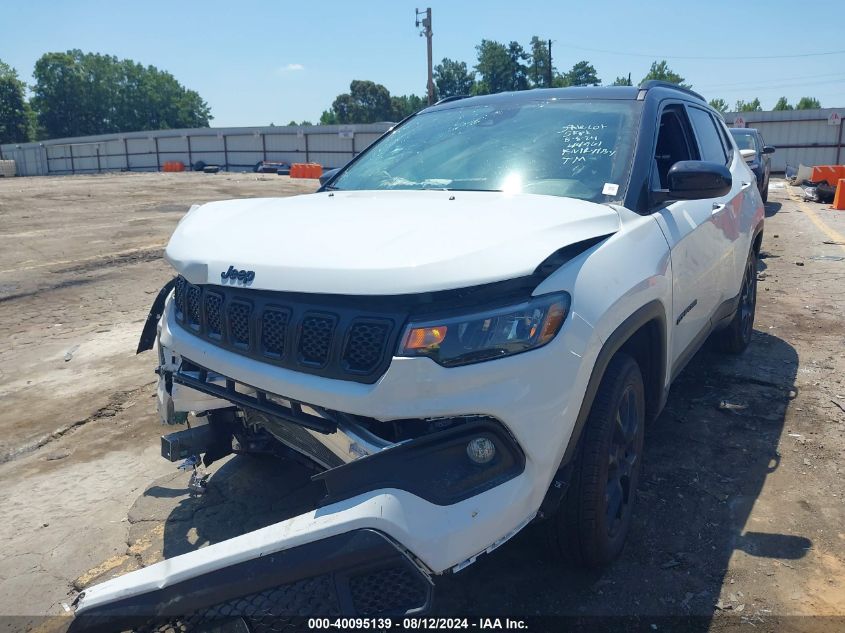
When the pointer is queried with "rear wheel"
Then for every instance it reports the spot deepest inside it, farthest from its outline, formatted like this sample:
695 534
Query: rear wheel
737 335
592 523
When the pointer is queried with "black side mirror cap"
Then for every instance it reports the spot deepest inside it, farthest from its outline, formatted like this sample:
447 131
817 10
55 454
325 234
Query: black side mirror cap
768 149
698 179
328 175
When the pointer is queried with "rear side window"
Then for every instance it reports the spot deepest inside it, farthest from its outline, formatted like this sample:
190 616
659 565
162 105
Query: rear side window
709 142
726 138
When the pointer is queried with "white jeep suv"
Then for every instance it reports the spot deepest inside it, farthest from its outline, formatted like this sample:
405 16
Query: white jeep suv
465 330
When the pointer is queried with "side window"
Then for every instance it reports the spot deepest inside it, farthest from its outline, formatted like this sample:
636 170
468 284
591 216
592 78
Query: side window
726 138
709 142
674 143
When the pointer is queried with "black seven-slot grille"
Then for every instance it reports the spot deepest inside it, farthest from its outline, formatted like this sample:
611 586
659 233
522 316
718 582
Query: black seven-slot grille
327 338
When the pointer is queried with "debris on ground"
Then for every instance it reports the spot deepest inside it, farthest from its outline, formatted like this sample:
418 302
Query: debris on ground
724 405
69 354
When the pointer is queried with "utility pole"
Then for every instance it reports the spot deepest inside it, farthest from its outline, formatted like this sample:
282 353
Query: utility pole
426 31
550 65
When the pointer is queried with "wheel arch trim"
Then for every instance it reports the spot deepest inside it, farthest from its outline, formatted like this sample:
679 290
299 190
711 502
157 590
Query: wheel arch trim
653 311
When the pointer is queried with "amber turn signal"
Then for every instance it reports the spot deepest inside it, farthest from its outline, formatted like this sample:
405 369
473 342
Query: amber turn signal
552 322
425 337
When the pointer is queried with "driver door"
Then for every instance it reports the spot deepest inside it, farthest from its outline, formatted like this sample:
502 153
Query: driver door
697 245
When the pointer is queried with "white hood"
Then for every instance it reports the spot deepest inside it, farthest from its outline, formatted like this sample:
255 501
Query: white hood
381 242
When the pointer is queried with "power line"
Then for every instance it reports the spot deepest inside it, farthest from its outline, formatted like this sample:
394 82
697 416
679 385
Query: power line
706 57
826 76
774 85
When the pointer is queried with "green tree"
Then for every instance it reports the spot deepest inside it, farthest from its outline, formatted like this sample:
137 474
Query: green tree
452 78
15 115
501 67
366 102
560 80
661 71
720 105
582 74
538 70
622 81
783 104
406 105
748 106
78 93
808 103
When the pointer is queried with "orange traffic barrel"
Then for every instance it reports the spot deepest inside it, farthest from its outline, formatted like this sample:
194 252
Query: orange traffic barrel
306 170
173 165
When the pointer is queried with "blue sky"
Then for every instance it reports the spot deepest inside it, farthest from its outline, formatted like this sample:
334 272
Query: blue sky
261 62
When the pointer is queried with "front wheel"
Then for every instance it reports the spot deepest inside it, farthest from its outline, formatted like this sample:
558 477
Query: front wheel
592 523
737 335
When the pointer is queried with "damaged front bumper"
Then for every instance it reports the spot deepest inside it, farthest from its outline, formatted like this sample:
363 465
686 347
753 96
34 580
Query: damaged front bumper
348 557
405 500
360 573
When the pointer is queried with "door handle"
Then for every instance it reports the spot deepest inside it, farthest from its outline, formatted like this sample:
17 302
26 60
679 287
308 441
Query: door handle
718 206
746 185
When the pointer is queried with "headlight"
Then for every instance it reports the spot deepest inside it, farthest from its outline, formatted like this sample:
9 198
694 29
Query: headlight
486 335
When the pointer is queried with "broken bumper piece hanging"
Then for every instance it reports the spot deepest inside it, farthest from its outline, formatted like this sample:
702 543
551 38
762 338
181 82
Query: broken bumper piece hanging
360 573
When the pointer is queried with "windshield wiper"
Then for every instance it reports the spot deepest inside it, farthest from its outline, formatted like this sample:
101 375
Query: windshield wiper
467 189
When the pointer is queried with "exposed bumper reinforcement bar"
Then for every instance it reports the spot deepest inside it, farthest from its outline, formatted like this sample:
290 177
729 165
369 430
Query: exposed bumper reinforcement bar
359 573
260 401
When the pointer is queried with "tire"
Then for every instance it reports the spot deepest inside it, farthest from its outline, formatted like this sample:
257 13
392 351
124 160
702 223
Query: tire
734 339
592 523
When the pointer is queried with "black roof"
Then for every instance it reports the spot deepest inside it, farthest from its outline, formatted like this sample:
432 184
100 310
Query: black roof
616 93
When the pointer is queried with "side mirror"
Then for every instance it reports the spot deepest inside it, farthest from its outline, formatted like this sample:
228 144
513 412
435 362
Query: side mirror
328 175
768 149
695 180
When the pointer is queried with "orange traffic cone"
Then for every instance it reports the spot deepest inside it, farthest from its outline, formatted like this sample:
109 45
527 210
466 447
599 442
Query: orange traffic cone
839 198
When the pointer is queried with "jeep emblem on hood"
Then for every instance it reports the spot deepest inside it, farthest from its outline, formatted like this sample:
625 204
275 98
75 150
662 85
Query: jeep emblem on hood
244 276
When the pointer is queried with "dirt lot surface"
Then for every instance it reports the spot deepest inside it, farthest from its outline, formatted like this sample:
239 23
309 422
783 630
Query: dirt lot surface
741 516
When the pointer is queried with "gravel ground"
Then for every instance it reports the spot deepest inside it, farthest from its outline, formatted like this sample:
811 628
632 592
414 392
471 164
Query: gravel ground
741 509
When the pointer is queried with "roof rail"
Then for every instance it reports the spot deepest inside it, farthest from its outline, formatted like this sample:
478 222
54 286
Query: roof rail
657 83
452 98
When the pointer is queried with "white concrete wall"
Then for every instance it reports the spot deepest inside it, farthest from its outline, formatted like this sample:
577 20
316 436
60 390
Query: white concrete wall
800 136
235 149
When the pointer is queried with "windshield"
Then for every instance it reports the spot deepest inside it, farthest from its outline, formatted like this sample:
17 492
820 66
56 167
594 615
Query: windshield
578 149
745 140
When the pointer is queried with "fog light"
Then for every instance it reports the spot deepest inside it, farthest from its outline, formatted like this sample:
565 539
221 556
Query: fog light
481 450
